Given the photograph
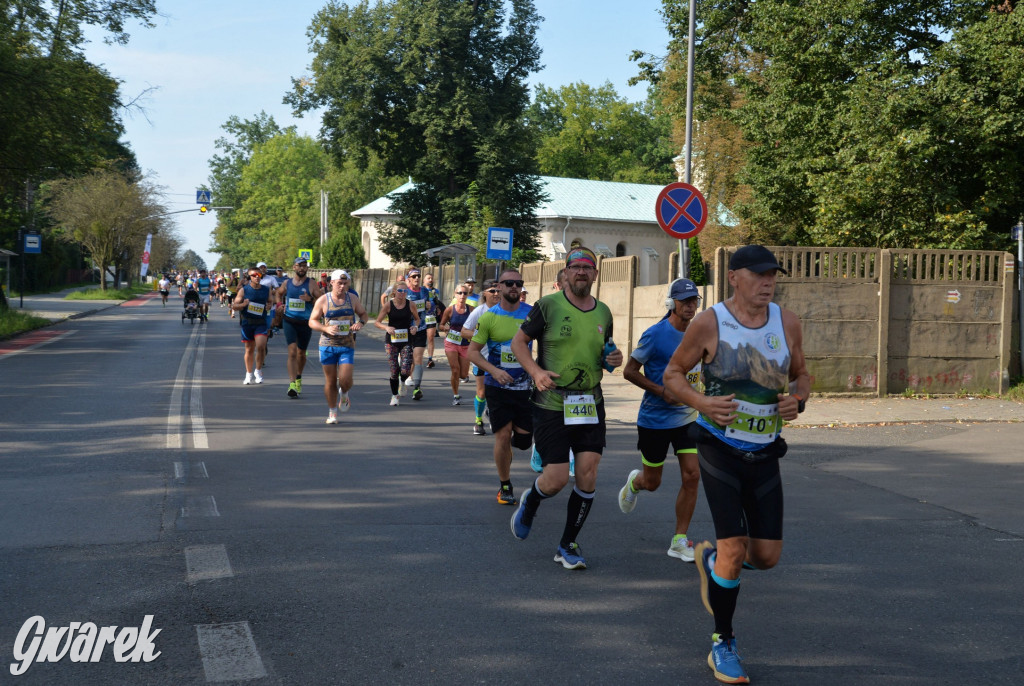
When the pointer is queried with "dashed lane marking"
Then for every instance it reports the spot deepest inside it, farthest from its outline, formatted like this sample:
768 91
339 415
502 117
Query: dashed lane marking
229 652
200 506
205 562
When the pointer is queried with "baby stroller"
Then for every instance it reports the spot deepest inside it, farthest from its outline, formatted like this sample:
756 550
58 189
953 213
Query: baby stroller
191 311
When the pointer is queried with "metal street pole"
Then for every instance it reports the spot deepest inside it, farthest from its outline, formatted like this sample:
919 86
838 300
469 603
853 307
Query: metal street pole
1019 229
684 246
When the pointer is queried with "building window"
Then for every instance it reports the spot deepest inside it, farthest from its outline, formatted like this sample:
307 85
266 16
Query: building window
366 245
620 250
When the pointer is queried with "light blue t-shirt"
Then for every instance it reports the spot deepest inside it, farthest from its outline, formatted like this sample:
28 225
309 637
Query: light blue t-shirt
653 352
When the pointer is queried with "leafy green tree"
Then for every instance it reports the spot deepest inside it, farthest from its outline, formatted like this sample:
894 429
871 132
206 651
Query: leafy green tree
436 89
108 213
593 133
191 260
230 234
866 123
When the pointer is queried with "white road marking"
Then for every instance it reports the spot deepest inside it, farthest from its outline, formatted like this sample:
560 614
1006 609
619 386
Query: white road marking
198 469
229 652
195 394
205 562
40 344
200 506
174 412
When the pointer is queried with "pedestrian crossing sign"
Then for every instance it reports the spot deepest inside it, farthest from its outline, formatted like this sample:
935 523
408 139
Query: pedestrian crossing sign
203 198
306 254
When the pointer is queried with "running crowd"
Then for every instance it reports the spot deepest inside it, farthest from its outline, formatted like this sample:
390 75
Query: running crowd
718 386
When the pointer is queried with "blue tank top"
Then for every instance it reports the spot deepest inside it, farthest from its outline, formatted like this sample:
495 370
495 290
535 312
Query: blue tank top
257 302
294 308
458 322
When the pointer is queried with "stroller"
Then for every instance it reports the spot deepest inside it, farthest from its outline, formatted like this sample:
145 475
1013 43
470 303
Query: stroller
191 311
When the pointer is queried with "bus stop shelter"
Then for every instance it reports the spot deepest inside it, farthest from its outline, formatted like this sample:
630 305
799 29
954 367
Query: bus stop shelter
462 255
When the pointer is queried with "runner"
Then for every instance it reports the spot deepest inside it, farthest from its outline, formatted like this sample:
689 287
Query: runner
181 283
507 383
338 315
435 296
298 295
574 333
420 298
402 324
165 288
751 351
663 420
455 346
204 287
491 296
251 302
232 290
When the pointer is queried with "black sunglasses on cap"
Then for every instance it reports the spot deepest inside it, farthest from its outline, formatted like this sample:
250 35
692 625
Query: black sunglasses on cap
509 283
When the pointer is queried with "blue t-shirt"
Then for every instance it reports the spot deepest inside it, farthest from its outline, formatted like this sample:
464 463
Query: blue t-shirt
653 352
203 285
495 331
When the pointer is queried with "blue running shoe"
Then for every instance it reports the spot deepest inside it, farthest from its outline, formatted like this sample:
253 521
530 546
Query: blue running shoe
520 524
702 553
535 463
571 557
725 661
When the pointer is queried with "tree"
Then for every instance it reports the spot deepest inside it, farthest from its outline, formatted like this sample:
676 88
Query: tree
854 119
436 89
108 213
191 260
592 133
229 236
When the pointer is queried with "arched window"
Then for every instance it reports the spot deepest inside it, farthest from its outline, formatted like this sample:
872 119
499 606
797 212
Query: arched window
366 245
620 250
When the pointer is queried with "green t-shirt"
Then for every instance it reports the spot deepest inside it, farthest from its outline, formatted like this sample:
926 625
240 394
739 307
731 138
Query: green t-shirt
570 343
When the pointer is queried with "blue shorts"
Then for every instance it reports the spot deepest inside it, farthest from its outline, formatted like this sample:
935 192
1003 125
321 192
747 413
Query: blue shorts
333 355
251 328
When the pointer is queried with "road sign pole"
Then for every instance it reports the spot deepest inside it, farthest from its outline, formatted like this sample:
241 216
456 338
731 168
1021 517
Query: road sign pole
1020 291
684 245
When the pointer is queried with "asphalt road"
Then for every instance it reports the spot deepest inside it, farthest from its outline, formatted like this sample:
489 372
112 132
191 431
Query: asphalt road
288 551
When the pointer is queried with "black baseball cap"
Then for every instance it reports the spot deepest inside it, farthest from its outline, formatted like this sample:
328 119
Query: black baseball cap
756 258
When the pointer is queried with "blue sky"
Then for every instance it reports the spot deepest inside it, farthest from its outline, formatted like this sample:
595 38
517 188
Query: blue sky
208 61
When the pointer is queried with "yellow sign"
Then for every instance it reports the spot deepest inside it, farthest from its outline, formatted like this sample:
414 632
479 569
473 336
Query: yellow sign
306 254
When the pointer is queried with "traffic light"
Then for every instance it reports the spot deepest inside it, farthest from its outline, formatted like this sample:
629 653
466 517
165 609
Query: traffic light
203 209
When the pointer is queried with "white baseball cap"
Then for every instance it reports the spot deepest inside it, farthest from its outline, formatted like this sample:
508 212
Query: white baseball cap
339 274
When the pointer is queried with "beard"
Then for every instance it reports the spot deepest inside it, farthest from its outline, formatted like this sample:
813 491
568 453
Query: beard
580 289
509 298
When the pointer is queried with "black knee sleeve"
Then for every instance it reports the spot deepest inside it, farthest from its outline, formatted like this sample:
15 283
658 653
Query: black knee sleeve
521 441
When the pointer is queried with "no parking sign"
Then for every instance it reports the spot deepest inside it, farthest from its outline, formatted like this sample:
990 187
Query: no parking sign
681 210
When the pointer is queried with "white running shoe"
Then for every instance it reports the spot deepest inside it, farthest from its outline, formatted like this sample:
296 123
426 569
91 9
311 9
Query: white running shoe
627 497
403 386
257 376
682 548
456 400
248 379
408 382
344 403
332 417
394 401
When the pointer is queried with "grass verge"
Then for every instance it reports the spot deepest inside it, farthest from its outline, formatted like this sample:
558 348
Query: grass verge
109 294
13 322
1016 391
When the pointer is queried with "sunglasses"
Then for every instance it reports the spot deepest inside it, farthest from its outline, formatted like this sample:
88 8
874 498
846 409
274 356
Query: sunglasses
460 292
255 276
513 283
492 291
414 276
400 290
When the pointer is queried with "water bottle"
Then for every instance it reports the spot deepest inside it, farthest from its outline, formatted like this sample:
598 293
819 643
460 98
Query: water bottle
609 347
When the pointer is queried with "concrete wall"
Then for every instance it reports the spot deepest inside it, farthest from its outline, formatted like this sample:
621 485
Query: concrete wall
875 322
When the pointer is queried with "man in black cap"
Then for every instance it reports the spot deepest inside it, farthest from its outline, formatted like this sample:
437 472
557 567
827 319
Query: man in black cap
755 377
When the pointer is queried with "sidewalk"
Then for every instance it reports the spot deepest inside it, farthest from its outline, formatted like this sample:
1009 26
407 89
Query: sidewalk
54 307
622 399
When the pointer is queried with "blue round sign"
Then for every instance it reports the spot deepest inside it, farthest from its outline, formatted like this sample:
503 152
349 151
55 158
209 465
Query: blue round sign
681 210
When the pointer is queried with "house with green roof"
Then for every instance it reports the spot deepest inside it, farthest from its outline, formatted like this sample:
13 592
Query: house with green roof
614 219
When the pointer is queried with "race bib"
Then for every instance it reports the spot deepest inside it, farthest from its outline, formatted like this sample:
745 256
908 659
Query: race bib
256 309
420 305
455 337
344 326
508 359
431 320
400 336
296 305
579 409
754 423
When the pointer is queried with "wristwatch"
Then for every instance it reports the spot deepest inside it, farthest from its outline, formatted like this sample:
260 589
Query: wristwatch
801 404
